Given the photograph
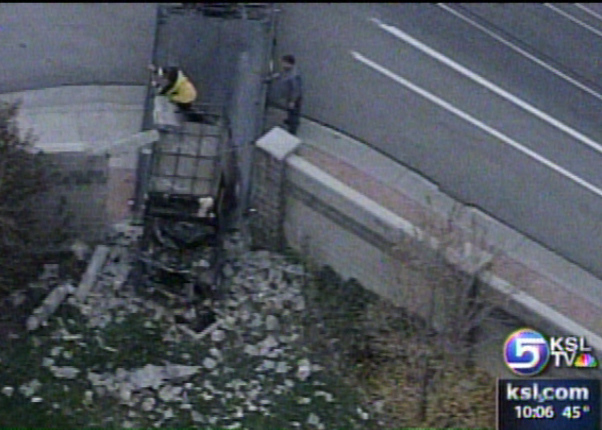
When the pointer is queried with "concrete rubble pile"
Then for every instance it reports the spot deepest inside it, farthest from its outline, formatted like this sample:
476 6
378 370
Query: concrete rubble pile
258 329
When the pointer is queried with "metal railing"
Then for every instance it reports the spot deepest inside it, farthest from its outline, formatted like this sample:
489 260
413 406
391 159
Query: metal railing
250 11
186 159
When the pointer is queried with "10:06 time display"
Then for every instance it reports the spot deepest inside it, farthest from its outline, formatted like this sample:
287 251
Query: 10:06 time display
537 412
547 412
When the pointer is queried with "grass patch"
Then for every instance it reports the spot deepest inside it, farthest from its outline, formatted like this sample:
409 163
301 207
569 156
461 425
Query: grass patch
381 351
337 331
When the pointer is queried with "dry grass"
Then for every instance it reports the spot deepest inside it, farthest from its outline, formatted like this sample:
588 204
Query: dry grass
457 395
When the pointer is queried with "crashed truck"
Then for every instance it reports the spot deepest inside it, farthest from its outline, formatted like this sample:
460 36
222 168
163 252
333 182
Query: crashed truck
193 181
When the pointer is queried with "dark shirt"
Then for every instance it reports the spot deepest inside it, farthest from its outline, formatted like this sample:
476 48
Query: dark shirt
293 85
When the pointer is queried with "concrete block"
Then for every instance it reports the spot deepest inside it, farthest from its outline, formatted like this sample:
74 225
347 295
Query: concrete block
278 143
164 113
48 307
348 201
98 259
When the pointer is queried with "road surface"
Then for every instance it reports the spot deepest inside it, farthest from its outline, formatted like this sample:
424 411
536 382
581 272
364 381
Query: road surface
497 103
47 44
489 121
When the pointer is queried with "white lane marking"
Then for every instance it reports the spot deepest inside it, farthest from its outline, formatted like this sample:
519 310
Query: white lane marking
487 84
474 121
588 10
521 51
573 19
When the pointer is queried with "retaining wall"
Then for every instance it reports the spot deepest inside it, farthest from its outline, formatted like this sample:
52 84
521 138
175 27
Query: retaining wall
301 206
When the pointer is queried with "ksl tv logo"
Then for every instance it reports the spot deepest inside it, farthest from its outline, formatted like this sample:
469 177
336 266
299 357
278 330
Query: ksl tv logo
527 352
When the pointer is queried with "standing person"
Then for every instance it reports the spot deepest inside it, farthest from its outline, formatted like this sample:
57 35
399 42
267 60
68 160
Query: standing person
290 79
174 84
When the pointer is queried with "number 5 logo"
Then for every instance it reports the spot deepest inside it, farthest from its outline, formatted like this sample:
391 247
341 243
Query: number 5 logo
526 352
527 346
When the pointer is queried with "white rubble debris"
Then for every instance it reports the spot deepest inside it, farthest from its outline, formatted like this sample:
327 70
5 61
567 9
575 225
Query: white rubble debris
251 350
303 369
197 417
282 367
209 363
30 388
88 398
80 249
327 396
313 419
379 406
271 323
8 391
66 372
266 345
218 336
216 353
49 306
363 415
255 321
98 259
170 393
168 414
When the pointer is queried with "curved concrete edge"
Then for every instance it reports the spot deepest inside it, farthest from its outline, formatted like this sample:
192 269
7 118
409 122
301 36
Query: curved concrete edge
548 315
70 95
348 201
78 118
392 227
530 308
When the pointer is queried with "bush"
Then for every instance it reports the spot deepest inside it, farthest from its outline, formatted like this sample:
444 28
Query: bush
24 174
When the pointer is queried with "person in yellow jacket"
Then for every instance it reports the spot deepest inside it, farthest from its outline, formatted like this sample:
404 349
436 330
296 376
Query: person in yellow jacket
175 85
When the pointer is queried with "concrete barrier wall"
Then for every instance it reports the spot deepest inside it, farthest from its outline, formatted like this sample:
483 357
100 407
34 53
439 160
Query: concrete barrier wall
77 195
303 207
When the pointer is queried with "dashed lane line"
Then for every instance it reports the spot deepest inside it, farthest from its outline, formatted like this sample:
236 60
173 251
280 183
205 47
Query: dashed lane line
476 122
487 84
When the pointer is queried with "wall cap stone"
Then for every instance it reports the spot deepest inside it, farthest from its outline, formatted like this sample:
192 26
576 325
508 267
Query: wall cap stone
348 201
279 143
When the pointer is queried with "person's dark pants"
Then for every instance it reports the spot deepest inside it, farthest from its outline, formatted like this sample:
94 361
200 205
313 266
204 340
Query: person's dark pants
189 114
293 117
184 107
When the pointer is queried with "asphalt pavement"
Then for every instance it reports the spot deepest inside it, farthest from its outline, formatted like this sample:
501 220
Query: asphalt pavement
48 44
563 33
535 173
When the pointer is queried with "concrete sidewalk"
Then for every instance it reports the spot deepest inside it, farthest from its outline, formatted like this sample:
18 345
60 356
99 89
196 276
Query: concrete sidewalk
84 120
74 118
548 292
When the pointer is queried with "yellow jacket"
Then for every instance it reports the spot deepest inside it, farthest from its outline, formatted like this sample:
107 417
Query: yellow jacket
183 91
